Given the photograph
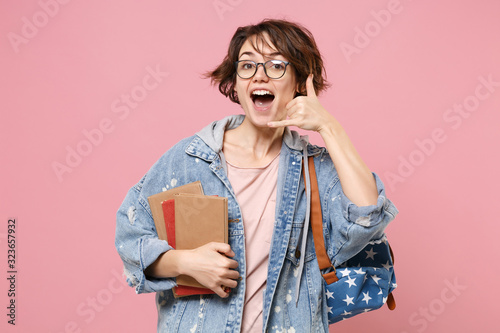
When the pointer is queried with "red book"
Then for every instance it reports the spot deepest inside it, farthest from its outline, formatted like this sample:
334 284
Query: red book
169 216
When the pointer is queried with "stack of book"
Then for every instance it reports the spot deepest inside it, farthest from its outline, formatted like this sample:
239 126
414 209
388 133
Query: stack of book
187 219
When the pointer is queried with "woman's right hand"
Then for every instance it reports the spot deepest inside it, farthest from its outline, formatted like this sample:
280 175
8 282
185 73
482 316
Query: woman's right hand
208 264
211 266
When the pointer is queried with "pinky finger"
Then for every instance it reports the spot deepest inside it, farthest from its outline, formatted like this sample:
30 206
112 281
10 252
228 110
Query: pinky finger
221 291
281 123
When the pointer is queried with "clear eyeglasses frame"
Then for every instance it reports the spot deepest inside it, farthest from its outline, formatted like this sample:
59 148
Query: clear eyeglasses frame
274 69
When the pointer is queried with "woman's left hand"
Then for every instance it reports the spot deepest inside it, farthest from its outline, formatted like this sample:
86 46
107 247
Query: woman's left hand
306 112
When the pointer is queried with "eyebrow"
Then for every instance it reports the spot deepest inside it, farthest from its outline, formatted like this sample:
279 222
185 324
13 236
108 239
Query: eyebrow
250 53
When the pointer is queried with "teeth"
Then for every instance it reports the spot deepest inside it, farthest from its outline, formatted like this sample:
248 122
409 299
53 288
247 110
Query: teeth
262 92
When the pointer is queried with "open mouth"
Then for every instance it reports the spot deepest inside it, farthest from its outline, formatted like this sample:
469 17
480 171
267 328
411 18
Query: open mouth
262 98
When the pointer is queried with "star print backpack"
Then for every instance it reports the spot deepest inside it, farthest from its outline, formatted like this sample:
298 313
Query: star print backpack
363 283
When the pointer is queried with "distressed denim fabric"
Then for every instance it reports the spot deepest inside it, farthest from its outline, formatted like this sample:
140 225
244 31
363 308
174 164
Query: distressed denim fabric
347 229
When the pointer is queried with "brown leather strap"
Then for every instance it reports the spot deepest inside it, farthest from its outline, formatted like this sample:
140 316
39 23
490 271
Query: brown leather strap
331 277
317 226
391 302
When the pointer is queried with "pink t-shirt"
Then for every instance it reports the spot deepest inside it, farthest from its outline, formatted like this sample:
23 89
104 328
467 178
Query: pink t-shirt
255 190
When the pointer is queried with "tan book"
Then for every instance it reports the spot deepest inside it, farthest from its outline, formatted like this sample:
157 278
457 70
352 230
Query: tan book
199 219
169 215
156 207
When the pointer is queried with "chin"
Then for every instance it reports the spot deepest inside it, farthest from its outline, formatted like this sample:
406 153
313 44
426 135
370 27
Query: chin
261 120
259 116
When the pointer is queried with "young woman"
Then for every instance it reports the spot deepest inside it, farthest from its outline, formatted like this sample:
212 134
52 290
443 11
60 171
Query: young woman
274 71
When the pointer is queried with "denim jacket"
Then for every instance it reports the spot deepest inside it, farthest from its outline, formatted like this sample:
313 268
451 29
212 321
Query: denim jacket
347 229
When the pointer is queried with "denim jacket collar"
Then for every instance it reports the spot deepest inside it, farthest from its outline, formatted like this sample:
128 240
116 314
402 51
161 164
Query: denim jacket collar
208 142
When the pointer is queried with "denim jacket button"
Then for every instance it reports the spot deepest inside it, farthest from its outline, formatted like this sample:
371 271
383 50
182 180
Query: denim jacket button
297 253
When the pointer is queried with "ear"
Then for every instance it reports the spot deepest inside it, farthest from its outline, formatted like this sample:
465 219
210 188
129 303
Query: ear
298 91
235 96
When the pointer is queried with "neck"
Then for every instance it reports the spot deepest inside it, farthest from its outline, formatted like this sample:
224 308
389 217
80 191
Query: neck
259 142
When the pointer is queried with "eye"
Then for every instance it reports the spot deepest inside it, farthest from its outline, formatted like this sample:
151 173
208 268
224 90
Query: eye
277 65
247 65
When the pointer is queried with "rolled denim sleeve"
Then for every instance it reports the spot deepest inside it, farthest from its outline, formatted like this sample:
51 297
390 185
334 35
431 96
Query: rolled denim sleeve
137 243
369 215
352 226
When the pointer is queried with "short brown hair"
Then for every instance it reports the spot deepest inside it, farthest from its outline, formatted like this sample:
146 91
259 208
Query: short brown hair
292 40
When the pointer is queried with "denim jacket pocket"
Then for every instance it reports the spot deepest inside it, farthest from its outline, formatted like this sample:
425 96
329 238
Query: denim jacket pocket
293 252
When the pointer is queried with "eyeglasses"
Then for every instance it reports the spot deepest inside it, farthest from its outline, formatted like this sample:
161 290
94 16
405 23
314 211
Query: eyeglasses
274 69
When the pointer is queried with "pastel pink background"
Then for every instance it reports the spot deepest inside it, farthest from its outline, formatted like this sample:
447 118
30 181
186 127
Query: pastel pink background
63 79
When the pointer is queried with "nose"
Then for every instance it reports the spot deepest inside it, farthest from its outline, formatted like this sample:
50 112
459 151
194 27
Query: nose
260 75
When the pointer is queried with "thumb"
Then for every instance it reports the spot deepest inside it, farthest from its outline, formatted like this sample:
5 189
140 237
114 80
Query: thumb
310 86
223 248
